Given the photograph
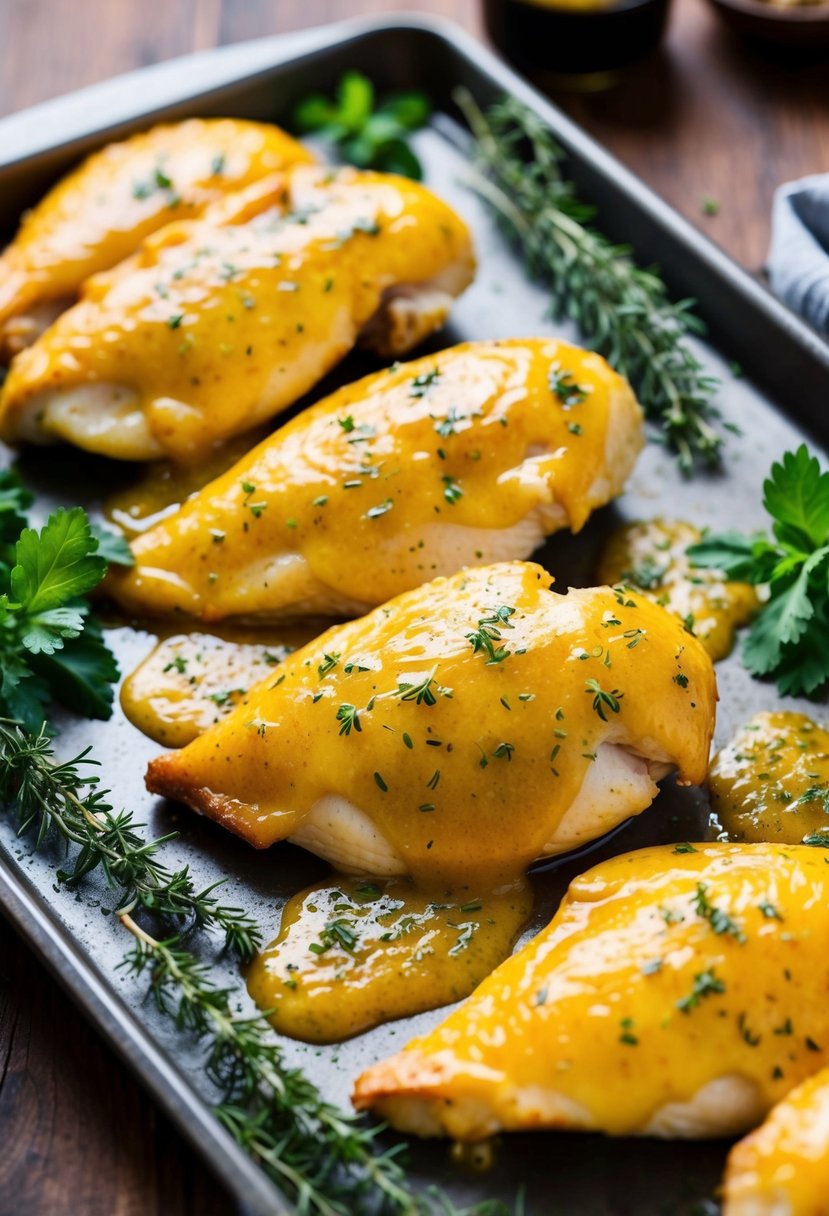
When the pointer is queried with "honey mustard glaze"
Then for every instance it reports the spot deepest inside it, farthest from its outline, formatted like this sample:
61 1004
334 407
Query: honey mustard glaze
355 952
442 743
461 458
782 1168
772 780
467 727
651 556
676 992
99 214
218 323
162 486
190 681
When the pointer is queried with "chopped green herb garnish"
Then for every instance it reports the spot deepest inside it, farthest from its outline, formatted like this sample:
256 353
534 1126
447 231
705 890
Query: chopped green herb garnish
603 700
706 983
489 632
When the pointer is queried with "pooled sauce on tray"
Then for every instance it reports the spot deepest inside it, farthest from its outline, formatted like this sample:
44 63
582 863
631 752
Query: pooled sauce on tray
651 557
356 952
162 486
192 680
771 783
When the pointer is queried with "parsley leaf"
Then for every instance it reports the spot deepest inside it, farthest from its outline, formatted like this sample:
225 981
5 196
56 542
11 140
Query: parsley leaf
50 649
369 135
57 563
14 499
787 638
796 496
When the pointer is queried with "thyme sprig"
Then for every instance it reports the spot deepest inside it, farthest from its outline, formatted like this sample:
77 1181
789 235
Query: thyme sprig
622 310
327 1162
66 799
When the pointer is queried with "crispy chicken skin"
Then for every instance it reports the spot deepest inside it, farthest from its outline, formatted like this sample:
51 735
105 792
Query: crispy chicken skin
782 1168
417 739
218 323
100 213
676 994
462 458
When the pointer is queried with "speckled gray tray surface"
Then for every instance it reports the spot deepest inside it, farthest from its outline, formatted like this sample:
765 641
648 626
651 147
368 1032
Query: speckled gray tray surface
784 388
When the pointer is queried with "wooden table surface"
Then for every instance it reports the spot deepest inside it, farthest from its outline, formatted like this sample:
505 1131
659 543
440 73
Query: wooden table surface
706 117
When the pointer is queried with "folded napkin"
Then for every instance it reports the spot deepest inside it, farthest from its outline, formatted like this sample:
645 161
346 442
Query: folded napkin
798 261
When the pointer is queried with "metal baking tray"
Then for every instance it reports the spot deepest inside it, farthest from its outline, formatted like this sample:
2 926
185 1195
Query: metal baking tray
781 395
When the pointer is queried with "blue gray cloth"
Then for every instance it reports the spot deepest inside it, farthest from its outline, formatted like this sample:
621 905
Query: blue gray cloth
798 261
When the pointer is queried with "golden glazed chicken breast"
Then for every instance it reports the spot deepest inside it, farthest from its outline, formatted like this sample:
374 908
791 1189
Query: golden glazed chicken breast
99 214
219 323
462 458
461 730
675 993
782 1169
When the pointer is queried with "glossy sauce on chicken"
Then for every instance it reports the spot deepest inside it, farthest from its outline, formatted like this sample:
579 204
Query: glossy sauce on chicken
161 486
412 738
782 1168
354 952
216 324
651 556
772 780
460 458
453 736
100 213
678 991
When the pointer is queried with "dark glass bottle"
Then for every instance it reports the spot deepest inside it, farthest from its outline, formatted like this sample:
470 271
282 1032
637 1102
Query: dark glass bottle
583 43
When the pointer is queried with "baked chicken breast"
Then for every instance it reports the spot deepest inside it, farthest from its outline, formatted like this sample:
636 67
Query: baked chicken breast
217 324
461 730
782 1168
100 213
678 992
459 459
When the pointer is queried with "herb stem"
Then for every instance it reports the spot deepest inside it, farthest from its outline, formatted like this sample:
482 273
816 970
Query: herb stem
622 310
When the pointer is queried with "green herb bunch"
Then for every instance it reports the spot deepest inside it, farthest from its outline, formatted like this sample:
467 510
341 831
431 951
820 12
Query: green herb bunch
788 639
622 310
327 1162
51 647
366 134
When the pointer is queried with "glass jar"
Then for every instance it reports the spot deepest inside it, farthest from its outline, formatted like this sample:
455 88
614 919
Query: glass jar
578 43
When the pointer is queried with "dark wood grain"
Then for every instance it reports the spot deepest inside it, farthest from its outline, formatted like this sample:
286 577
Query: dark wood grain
704 118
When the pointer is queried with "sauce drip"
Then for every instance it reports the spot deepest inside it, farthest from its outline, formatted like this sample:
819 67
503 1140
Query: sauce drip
191 681
355 953
651 557
772 780
161 486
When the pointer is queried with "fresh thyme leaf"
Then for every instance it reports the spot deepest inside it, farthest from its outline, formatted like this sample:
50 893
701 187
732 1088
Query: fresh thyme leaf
65 798
325 1160
622 310
603 700
369 135
489 632
787 638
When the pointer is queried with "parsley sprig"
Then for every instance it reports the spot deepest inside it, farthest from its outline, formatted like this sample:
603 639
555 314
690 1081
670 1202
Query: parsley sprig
367 134
788 637
622 310
51 648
